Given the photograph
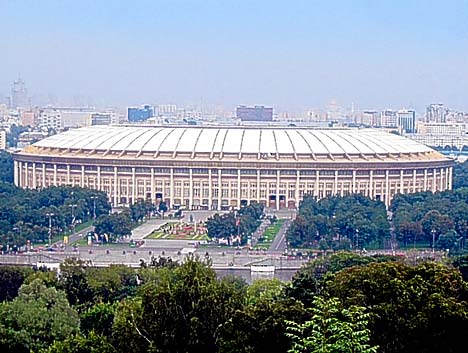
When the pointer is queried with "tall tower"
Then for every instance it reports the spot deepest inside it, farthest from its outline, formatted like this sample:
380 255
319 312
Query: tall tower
19 94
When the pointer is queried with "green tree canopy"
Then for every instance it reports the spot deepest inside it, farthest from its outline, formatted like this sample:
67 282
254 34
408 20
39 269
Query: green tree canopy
37 317
6 167
412 309
337 222
331 329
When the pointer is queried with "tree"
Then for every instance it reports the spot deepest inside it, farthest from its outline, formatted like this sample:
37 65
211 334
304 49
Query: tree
37 317
260 327
6 167
412 309
23 213
162 207
268 289
112 283
181 310
309 280
93 343
460 175
331 329
11 279
74 282
116 225
99 319
336 221
448 241
221 226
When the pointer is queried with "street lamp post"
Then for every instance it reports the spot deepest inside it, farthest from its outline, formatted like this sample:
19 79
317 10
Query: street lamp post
433 240
357 239
50 215
94 206
73 216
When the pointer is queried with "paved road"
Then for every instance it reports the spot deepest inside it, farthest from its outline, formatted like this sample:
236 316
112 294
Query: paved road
74 237
279 244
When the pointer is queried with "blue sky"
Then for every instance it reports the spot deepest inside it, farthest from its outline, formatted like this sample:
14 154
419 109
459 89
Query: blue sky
288 54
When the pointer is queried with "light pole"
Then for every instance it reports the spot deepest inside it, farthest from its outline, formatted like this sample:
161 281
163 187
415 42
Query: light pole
50 215
94 198
357 239
73 216
433 240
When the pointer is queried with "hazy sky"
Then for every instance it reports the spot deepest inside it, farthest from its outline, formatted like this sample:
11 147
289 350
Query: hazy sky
287 53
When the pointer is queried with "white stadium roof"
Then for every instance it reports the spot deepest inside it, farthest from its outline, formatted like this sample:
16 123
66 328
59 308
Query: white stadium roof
241 140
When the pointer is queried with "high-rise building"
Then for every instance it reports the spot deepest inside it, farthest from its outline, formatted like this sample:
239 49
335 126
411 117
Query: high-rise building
407 120
388 118
436 113
19 94
370 118
49 119
3 142
107 118
140 114
169 110
256 113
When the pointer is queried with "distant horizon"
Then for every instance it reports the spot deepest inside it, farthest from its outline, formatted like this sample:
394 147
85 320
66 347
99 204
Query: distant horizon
292 56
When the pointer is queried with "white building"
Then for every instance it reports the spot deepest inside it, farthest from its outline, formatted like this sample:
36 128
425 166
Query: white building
3 142
49 119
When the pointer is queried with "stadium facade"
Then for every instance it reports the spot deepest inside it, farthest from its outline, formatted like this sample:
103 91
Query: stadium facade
208 167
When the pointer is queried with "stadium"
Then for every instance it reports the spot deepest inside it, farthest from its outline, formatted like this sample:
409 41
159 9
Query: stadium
220 168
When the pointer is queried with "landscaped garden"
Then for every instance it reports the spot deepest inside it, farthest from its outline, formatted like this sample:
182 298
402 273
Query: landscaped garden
180 231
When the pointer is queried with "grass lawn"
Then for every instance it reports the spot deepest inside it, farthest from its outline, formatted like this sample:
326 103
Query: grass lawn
269 234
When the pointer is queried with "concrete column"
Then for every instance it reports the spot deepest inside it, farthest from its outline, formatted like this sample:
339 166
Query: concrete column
387 189
414 180
82 176
296 193
443 176
335 183
15 173
258 186
401 181
34 180
434 180
354 182
191 188
210 190
317 181
44 175
26 175
239 188
278 190
449 182
220 189
371 184
134 186
116 188
99 178
55 174
171 198
68 175
153 191
425 180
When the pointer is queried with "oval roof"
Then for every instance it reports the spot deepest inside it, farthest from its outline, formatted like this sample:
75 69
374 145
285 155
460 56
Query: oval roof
248 140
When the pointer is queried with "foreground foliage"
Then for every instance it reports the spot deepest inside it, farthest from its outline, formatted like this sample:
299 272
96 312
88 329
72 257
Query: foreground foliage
340 303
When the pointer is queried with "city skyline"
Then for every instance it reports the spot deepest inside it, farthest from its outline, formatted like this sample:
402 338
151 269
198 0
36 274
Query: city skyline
290 56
